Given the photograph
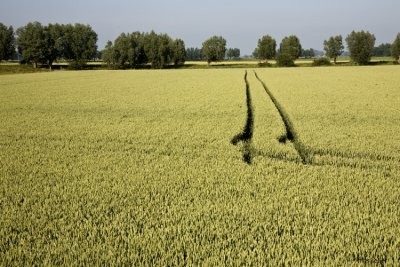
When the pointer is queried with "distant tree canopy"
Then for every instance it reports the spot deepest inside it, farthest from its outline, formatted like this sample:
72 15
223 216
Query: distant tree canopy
179 52
361 45
334 47
266 48
31 43
7 42
290 50
214 49
308 53
291 46
383 50
44 44
396 48
135 49
233 53
255 53
193 54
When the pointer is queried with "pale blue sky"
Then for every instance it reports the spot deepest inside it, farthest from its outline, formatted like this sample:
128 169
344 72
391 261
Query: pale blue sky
242 23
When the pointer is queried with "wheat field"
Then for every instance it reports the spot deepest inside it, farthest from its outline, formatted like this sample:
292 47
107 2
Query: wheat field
201 167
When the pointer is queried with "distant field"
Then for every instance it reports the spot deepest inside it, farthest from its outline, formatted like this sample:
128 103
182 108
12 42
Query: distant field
14 67
138 167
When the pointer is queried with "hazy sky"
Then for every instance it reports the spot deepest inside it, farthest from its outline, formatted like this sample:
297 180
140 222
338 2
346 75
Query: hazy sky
240 22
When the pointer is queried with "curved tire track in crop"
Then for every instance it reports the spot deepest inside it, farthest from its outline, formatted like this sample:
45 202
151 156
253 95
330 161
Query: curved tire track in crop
291 134
306 153
246 135
352 154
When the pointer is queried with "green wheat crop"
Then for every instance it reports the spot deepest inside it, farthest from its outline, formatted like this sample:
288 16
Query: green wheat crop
137 168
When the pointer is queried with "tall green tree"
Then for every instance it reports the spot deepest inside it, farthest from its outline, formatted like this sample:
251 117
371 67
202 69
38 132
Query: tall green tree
266 48
290 49
136 53
291 46
214 49
32 43
233 53
81 45
179 52
308 53
7 42
396 48
334 47
122 46
382 50
158 49
255 53
135 49
193 54
108 55
361 45
53 43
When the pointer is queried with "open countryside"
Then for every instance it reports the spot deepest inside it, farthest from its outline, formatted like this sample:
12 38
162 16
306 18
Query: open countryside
156 133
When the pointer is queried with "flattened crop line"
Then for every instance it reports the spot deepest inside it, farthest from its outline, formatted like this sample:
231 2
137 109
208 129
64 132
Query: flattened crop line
291 134
246 135
352 155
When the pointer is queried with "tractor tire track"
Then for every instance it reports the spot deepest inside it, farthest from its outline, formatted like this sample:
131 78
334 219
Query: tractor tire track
352 155
246 135
291 135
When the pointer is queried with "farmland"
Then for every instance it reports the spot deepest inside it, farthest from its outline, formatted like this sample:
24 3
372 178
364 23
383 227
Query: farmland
138 167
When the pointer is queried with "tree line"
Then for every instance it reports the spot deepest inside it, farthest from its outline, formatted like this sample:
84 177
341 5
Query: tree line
132 50
44 44
360 45
76 43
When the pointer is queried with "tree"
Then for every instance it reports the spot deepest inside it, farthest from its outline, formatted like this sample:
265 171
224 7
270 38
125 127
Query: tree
233 53
308 53
137 55
193 54
134 49
122 45
255 53
158 49
284 59
7 42
81 43
361 45
291 46
45 44
53 43
108 55
396 48
214 49
383 50
179 52
334 47
32 43
290 50
266 48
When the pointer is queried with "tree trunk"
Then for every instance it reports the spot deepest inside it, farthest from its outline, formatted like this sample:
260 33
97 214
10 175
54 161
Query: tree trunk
334 60
35 64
